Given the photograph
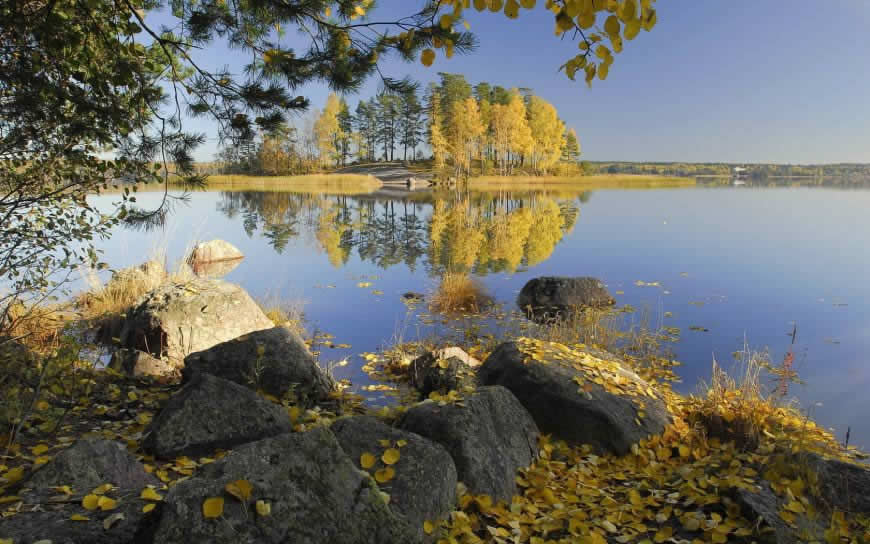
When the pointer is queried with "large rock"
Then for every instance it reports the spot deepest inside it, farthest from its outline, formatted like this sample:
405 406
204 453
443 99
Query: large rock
133 362
210 413
316 493
177 319
578 397
275 360
442 371
424 487
84 466
763 506
214 250
550 296
840 485
489 435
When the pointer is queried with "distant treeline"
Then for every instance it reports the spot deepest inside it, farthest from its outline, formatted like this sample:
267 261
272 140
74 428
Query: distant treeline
844 171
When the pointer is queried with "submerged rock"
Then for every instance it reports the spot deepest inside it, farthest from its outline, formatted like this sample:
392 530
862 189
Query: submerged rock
133 362
210 413
550 296
214 251
578 397
275 360
424 485
82 467
489 435
315 495
177 319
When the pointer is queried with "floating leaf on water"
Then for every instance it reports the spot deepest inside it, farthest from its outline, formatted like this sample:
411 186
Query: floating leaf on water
148 507
39 449
364 284
79 517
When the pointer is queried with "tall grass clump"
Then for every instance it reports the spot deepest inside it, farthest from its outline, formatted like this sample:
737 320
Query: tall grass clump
287 313
459 293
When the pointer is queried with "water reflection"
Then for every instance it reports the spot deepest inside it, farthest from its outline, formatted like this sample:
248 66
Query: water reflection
479 232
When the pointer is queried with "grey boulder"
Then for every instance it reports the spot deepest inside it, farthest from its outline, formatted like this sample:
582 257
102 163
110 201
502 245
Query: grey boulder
315 493
424 486
177 319
489 435
550 296
85 465
578 397
275 360
210 413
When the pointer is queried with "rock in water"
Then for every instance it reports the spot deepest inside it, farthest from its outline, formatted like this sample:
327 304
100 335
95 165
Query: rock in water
214 251
549 296
177 319
578 397
424 485
133 362
84 466
275 360
315 493
489 435
210 413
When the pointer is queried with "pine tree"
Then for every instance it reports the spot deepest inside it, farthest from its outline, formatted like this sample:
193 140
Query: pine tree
387 123
571 152
410 122
345 125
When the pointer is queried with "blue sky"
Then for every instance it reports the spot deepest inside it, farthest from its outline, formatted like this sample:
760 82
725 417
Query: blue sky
737 81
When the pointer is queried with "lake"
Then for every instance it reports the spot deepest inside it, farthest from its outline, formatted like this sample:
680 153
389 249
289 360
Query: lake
721 264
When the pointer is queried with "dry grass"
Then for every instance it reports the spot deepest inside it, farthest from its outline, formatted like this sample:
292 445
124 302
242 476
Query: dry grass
328 183
119 293
290 313
459 293
734 407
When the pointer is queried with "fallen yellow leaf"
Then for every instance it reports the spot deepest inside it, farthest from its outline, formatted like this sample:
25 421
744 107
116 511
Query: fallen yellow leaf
264 508
367 460
90 502
150 495
213 507
240 489
391 456
384 475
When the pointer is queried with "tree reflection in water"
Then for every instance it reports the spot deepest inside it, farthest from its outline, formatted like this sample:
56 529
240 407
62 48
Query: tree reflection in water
479 232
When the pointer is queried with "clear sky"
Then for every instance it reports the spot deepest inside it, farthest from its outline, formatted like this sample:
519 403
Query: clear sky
730 81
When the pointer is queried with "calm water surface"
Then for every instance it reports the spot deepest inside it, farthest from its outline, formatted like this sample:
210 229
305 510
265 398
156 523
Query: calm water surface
739 262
